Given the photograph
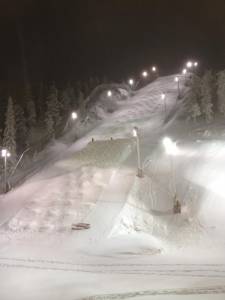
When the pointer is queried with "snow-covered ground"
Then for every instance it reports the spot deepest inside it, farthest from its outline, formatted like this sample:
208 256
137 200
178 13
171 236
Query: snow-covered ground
135 247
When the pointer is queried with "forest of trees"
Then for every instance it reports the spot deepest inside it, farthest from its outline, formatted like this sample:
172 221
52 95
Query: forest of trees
38 115
205 98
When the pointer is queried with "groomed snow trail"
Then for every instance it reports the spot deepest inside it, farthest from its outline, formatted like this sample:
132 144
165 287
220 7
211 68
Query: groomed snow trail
171 270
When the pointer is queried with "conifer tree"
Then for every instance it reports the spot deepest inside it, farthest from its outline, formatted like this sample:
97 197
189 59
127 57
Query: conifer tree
97 81
53 114
21 129
93 82
78 85
105 80
193 98
195 111
68 99
81 102
41 102
50 125
9 136
86 89
53 106
221 91
1 131
206 96
65 101
30 107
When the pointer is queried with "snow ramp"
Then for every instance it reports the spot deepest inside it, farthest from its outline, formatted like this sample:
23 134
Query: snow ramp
69 191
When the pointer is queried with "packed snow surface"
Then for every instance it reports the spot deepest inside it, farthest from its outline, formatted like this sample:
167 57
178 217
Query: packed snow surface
136 247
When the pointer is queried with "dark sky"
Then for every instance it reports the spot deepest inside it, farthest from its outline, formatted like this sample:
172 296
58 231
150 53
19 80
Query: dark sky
62 39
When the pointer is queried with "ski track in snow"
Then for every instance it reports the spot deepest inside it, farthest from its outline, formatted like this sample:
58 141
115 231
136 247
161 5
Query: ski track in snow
180 270
180 291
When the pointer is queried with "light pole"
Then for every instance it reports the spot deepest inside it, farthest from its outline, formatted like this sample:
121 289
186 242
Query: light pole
73 117
131 83
155 72
144 74
184 72
172 150
136 135
195 66
5 153
176 79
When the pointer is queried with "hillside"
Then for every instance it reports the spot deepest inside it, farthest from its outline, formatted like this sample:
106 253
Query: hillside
136 246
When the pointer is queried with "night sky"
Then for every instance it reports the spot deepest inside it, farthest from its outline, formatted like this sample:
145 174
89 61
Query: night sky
61 40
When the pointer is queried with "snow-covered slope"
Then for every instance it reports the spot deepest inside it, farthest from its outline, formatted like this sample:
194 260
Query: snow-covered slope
134 240
111 143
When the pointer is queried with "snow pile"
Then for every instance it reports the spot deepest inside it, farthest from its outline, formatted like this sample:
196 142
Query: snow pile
172 230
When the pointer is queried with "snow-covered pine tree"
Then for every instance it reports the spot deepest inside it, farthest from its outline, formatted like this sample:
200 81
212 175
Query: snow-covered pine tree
50 127
21 129
40 102
105 80
86 89
30 107
9 135
97 81
65 101
206 96
68 99
93 83
195 83
53 106
78 85
81 103
221 91
192 98
1 136
195 111
73 98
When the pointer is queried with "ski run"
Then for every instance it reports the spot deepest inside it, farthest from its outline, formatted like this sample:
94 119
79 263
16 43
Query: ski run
84 226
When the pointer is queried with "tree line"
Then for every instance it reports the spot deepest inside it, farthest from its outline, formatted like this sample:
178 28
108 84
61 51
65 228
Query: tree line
205 98
40 117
